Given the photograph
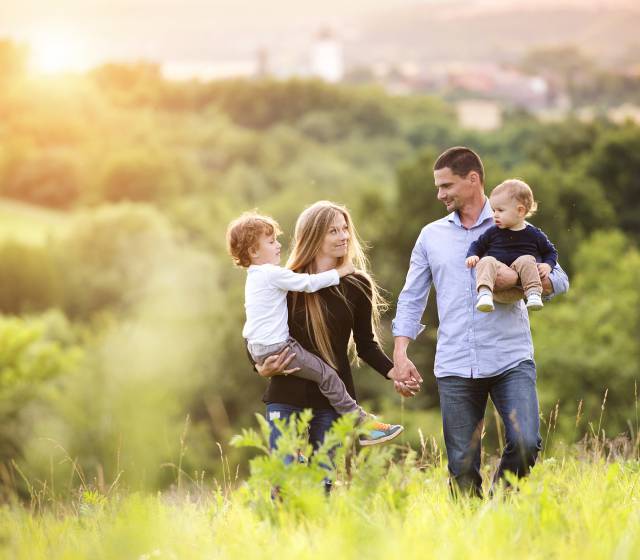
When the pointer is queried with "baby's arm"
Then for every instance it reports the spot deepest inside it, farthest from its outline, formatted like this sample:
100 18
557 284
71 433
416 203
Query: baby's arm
478 249
548 253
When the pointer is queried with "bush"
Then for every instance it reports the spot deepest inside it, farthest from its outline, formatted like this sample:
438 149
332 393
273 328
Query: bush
29 277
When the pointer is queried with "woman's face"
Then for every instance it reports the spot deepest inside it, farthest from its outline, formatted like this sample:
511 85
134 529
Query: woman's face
336 241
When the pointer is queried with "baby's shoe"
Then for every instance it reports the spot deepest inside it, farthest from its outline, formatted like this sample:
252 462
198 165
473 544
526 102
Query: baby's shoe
485 302
534 302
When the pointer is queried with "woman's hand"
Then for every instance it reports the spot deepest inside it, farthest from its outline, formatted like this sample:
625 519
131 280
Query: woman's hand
276 364
403 389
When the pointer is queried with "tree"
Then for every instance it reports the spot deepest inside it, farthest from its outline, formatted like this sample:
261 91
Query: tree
587 341
51 179
106 257
615 163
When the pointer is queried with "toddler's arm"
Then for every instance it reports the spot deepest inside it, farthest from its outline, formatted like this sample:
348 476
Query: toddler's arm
290 281
345 268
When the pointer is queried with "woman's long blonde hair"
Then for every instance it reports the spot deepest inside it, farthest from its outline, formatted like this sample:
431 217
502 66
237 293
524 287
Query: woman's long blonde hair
311 228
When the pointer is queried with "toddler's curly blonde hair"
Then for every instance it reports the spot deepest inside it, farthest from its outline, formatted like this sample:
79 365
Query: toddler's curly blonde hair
244 233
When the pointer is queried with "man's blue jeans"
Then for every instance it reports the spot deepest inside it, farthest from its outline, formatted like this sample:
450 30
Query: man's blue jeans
463 402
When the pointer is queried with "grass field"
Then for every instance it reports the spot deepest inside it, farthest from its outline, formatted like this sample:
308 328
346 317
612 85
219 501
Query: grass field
569 510
387 503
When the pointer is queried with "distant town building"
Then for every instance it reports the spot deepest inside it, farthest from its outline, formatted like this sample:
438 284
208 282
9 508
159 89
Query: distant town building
624 113
479 114
327 61
262 63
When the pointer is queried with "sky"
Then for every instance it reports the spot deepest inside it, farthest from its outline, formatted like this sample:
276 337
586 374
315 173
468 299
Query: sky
78 34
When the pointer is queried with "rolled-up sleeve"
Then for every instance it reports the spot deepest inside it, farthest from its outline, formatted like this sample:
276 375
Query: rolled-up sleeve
559 280
413 297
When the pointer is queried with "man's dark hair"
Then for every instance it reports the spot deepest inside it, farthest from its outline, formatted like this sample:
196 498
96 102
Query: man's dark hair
461 161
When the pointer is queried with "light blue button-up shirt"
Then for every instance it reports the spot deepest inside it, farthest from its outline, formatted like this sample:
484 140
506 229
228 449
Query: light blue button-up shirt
470 343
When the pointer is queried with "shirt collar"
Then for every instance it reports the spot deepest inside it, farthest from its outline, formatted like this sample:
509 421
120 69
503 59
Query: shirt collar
485 214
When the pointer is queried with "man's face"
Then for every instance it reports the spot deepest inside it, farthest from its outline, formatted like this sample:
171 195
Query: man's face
455 191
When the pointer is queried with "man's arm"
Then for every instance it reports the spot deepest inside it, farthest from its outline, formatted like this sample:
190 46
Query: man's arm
558 283
411 304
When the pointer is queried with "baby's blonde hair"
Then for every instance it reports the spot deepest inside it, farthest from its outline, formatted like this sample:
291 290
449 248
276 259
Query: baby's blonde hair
519 191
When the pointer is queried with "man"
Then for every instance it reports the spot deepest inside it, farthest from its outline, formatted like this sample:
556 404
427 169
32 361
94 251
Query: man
478 354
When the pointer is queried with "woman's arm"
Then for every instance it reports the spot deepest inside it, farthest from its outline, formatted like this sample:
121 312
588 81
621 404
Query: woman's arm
367 346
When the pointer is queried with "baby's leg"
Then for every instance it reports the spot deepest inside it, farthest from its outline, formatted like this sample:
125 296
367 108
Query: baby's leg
331 386
486 271
507 295
527 270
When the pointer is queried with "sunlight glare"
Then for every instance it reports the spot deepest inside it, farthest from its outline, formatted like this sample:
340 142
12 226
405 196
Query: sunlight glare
55 52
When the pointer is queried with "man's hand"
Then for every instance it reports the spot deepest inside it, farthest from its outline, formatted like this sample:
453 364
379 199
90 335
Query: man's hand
406 388
403 368
547 286
346 268
543 270
472 261
276 364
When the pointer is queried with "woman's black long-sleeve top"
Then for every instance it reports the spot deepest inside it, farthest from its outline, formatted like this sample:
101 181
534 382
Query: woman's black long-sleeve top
342 320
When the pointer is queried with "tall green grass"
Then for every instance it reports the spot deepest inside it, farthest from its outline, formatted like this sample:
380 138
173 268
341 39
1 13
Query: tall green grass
388 502
565 509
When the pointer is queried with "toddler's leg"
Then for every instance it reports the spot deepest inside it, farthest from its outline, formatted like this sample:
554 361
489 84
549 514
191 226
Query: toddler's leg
527 270
331 386
486 272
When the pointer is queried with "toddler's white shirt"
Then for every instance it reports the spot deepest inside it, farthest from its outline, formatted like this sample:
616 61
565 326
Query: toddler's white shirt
265 299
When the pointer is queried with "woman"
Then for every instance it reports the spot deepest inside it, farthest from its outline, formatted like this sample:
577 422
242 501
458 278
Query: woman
324 322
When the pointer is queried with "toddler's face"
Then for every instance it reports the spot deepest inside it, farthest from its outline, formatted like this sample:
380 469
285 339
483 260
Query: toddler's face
507 212
267 251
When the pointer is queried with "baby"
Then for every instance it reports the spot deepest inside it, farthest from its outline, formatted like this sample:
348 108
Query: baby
252 243
512 241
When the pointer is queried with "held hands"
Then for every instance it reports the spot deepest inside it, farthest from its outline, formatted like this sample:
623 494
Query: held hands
276 364
543 270
346 268
406 378
472 261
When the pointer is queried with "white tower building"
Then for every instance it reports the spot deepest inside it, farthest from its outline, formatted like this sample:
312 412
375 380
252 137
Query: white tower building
327 60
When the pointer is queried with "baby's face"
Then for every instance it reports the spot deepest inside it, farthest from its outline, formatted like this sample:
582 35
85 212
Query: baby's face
507 212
